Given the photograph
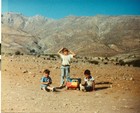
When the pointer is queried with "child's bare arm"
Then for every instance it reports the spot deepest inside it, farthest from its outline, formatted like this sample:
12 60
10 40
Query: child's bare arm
72 53
59 52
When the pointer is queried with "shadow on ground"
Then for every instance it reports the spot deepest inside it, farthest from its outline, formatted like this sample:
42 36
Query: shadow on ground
100 87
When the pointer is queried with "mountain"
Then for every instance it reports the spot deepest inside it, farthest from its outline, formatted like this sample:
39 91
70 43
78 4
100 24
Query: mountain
95 35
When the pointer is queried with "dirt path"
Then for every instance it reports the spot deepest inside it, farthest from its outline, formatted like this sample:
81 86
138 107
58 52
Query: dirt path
117 88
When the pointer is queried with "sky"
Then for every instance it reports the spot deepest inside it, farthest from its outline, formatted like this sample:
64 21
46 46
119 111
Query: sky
61 8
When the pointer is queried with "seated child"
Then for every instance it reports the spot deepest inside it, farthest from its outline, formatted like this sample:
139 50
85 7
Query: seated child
89 84
46 81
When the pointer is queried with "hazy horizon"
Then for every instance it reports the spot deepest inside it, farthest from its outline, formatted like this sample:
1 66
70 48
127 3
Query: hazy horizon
66 15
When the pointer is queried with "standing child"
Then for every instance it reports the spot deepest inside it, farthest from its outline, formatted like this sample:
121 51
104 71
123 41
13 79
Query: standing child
89 84
46 81
66 56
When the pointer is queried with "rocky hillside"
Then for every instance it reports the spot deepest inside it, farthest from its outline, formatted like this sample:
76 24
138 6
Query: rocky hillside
97 35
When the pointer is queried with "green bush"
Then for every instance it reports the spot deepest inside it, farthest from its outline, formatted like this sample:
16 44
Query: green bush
17 53
94 62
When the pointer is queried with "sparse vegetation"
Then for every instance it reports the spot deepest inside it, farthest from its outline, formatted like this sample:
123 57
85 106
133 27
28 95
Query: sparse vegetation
93 62
121 62
105 62
106 58
17 53
32 51
52 56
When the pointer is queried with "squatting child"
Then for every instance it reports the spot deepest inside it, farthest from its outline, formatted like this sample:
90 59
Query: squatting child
46 81
89 82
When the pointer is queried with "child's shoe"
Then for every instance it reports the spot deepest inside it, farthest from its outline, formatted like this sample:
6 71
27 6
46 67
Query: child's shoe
62 86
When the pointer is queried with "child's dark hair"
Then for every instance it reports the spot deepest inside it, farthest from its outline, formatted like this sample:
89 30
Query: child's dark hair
46 71
65 49
87 72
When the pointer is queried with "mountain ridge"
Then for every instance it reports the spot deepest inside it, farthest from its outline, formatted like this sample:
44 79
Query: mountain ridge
100 35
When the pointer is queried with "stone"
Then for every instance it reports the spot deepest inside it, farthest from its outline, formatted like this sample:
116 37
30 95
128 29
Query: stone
17 84
131 79
40 71
114 107
56 67
30 72
110 86
65 104
25 71
32 98
96 111
12 109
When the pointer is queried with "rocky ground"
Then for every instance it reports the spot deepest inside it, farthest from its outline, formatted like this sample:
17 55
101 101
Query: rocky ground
117 87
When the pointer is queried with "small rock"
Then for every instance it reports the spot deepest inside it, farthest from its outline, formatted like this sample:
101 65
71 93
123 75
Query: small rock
125 106
118 85
36 103
80 109
23 109
56 67
114 107
40 71
124 78
55 108
96 111
65 104
127 88
124 99
131 79
25 71
17 84
110 86
12 109
50 66
32 98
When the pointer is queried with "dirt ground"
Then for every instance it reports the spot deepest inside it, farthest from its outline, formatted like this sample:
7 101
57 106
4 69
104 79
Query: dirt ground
117 88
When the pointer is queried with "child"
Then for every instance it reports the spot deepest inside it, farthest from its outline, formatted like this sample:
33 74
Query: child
66 57
89 84
46 81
